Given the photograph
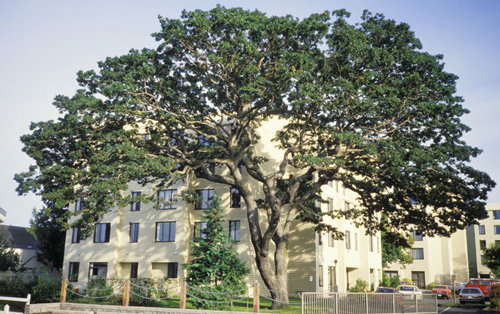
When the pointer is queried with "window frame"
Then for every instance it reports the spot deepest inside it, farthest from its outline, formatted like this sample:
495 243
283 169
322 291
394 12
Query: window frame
348 240
98 232
417 235
172 270
417 253
204 201
133 236
159 236
235 198
165 203
482 229
496 229
496 214
235 235
75 237
331 240
73 274
199 229
135 206
134 270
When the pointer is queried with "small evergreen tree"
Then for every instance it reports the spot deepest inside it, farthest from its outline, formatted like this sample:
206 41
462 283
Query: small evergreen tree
215 273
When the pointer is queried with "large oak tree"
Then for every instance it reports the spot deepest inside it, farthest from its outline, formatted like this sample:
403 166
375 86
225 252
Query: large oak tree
364 105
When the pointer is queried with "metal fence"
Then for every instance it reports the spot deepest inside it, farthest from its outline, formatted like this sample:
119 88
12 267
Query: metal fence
360 303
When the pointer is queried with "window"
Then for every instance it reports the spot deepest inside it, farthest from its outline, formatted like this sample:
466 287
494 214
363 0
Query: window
496 214
134 267
79 204
199 229
74 269
347 206
331 239
98 270
482 229
417 253
332 279
205 199
134 232
370 243
330 205
391 273
417 235
320 238
75 238
234 230
320 276
482 244
172 270
356 241
235 198
497 229
348 240
165 231
136 205
167 199
101 234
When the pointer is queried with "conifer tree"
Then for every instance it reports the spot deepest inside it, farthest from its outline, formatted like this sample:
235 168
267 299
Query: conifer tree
215 273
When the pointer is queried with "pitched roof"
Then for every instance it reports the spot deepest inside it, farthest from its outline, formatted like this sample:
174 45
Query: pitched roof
20 237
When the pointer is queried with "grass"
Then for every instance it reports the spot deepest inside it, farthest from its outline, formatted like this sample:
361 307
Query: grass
239 306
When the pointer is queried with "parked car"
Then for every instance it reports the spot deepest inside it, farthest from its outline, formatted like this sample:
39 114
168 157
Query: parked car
471 295
385 290
410 292
442 291
458 287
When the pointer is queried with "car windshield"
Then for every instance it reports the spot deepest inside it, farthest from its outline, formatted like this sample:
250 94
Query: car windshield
471 290
406 288
385 290
440 287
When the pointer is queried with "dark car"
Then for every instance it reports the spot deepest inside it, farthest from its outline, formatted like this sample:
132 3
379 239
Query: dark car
385 290
471 295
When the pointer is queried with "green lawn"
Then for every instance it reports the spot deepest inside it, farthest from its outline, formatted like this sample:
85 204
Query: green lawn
239 306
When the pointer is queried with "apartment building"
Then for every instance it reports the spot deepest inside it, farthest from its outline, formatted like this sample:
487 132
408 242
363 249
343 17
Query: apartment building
435 259
481 236
152 239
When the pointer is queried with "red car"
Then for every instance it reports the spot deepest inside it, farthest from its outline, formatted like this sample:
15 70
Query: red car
442 291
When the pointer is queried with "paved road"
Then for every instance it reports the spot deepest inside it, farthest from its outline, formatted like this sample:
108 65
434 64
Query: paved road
462 310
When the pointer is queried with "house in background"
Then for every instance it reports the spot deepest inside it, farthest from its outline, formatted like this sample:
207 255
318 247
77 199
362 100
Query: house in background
152 240
24 244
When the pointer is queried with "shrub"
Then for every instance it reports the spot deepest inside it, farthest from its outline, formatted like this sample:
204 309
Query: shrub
431 285
361 286
495 296
41 288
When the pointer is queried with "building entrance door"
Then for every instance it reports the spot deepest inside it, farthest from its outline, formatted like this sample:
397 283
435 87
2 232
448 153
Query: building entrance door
418 278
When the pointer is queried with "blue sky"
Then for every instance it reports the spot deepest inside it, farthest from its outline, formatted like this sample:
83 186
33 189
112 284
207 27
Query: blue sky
44 43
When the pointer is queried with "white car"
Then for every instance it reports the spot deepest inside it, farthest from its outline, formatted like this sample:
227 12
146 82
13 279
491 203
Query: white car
410 292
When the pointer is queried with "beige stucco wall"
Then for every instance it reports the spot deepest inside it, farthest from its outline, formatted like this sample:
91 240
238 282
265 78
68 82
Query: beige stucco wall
443 257
489 236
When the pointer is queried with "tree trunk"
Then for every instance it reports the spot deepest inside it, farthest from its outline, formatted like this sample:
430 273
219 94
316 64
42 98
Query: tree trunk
274 273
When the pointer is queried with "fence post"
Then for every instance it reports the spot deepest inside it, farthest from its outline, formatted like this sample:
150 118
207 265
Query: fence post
256 298
182 304
126 293
64 286
6 309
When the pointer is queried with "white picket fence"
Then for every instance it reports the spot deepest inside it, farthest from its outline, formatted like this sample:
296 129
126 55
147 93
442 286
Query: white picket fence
367 303
6 308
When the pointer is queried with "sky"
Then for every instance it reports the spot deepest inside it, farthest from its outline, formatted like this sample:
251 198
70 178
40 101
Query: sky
43 44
